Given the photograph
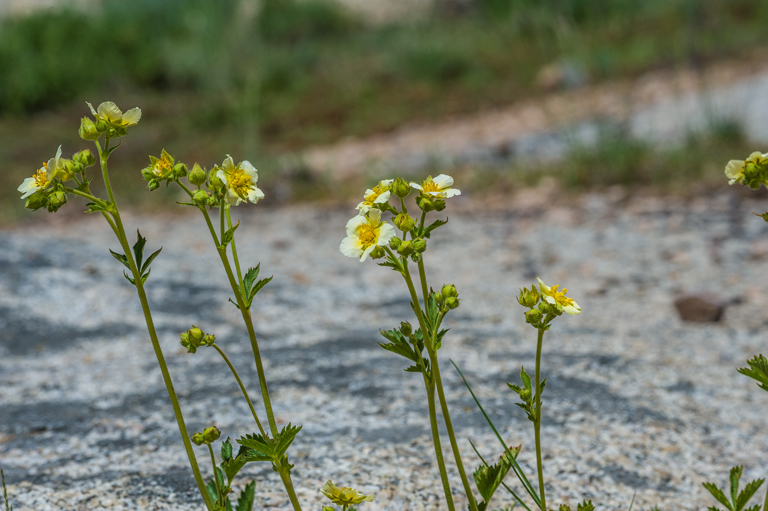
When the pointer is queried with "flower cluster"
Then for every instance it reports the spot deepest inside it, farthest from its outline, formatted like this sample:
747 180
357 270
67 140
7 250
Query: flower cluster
751 172
545 304
46 188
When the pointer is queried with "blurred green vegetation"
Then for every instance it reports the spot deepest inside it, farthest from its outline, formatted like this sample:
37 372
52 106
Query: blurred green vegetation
214 77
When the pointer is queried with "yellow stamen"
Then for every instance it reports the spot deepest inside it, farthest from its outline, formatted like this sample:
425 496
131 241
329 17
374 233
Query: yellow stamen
367 234
239 182
559 296
430 186
162 166
41 176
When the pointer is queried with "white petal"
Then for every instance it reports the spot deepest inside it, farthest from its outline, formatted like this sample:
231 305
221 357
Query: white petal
109 111
443 181
222 175
544 288
550 300
354 224
250 170
132 116
27 187
386 233
451 192
232 198
363 207
734 169
254 194
572 309
229 165
384 197
93 110
375 214
417 186
366 253
350 247
387 182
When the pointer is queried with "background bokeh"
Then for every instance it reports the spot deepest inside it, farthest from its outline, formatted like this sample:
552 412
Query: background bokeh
266 80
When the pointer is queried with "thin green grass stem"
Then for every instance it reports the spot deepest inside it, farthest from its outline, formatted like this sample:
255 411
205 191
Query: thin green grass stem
242 388
120 232
515 465
537 423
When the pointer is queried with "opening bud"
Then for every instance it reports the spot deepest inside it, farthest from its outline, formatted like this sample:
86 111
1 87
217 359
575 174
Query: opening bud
439 298
528 298
84 158
425 203
56 200
197 175
195 338
439 204
37 201
68 169
400 187
88 129
404 222
211 434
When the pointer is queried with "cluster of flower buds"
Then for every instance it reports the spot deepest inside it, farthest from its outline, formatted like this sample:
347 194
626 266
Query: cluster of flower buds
448 297
208 436
45 189
545 304
109 121
751 172
162 169
407 248
195 338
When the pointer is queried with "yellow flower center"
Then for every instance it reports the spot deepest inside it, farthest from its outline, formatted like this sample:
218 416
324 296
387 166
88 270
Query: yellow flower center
41 176
376 191
368 235
430 186
239 182
162 166
559 296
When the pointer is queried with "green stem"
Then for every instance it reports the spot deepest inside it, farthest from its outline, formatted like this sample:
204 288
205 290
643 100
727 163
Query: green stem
438 383
423 278
215 474
234 251
537 422
242 388
430 387
765 504
120 232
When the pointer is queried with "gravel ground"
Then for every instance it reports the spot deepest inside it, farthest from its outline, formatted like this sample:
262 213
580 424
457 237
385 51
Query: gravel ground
637 400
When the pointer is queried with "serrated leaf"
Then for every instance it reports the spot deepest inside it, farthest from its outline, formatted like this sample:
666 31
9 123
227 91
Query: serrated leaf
489 477
718 494
747 493
233 465
130 279
258 447
120 257
431 227
403 350
95 208
151 258
229 235
145 276
758 371
525 379
246 498
585 506
250 277
432 309
138 248
285 438
735 476
226 450
753 508
258 287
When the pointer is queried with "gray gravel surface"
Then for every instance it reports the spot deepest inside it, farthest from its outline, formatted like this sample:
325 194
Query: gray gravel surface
636 400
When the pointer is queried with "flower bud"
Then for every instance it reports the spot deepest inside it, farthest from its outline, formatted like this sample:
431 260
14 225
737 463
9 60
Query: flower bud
451 302
420 245
405 328
211 434
67 169
528 298
425 203
153 184
195 338
400 187
449 290
84 158
197 439
439 204
404 222
88 130
439 298
405 248
533 317
36 201
378 253
56 200
395 243
179 170
200 197
525 395
214 182
197 175
102 126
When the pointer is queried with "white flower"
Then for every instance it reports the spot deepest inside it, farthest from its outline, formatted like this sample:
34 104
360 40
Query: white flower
437 187
240 181
42 178
735 168
344 496
109 113
557 298
379 194
364 233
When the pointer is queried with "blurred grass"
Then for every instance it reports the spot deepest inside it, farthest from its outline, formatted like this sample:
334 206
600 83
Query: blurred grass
214 77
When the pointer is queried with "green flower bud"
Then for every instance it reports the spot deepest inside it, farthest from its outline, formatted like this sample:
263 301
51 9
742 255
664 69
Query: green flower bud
37 201
525 395
88 130
405 248
102 126
395 243
404 222
197 439
449 290
400 187
439 204
179 170
451 302
533 317
84 158
378 253
200 197
211 434
56 200
197 175
406 329
439 298
214 182
528 298
425 203
420 245
153 184
195 338
67 169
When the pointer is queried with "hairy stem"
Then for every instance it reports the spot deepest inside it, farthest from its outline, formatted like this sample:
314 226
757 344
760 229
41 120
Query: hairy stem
537 422
242 388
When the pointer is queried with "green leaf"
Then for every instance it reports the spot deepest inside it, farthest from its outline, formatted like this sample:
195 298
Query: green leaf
95 208
121 258
246 498
226 450
431 227
489 477
718 494
151 258
110 150
259 285
585 506
525 379
747 493
398 345
138 248
432 310
758 371
259 447
129 278
229 235
232 466
285 438
250 277
234 303
734 477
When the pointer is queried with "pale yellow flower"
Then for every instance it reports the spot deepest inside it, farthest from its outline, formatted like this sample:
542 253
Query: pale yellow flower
163 166
365 233
344 496
437 187
379 194
557 298
734 170
42 178
109 113
240 181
